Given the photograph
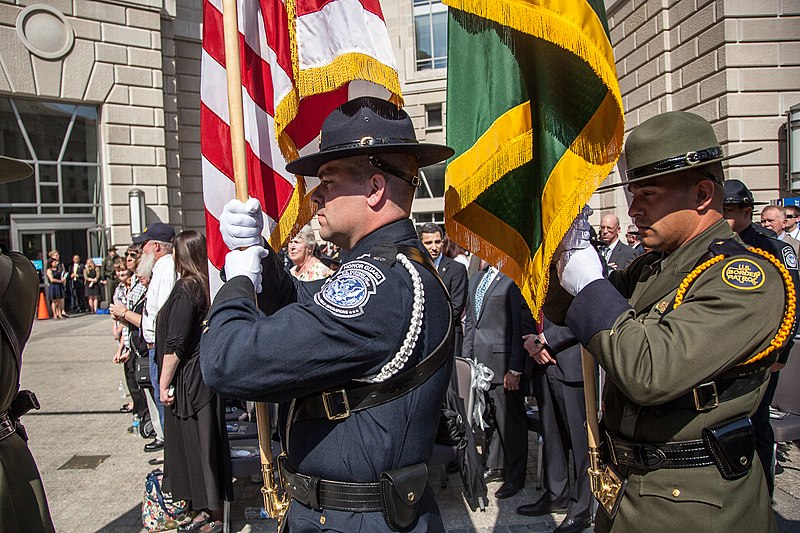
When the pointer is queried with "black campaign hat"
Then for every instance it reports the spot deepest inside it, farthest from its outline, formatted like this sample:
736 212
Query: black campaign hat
157 231
737 193
668 143
368 126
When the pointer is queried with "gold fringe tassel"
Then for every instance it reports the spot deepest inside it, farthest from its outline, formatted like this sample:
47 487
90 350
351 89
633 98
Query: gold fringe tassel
546 24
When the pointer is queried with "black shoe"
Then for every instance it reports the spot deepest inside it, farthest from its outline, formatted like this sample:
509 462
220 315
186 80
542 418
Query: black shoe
494 474
542 507
154 446
507 490
574 525
155 461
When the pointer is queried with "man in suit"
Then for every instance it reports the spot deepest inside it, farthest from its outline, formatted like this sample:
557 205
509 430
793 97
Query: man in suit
792 213
558 387
772 217
453 274
632 236
75 284
618 255
493 332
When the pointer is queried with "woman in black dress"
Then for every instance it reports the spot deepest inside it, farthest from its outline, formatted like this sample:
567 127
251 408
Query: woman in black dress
197 463
56 277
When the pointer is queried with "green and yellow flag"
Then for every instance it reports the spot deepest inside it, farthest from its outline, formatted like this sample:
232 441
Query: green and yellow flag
535 115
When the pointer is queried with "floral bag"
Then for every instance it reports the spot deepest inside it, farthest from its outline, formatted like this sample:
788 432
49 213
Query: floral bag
159 512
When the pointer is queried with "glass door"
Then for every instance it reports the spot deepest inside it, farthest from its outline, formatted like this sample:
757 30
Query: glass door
35 246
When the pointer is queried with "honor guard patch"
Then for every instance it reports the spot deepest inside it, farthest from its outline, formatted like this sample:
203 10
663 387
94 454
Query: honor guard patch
744 274
789 258
347 292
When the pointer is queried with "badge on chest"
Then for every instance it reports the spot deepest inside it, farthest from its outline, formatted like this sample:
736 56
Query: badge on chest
347 292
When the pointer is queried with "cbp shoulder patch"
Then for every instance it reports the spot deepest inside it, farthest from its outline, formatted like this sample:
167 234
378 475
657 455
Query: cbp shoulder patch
789 258
347 292
744 274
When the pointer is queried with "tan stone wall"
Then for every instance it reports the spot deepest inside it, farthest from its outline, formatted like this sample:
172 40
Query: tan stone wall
734 62
115 63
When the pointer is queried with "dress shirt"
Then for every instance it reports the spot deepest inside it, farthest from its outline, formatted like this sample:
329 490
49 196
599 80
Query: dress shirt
161 284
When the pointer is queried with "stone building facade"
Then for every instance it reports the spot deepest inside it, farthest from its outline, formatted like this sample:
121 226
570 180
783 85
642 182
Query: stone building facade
108 86
103 97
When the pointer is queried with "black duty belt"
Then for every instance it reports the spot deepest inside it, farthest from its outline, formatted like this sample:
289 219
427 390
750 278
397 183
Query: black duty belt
7 425
708 396
318 493
685 454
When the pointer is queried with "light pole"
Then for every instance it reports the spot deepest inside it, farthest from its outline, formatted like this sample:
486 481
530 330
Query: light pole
136 204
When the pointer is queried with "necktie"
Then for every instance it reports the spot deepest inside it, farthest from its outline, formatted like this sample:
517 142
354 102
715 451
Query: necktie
480 292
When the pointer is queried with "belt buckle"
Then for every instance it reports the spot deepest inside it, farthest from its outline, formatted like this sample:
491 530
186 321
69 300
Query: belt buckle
331 410
701 405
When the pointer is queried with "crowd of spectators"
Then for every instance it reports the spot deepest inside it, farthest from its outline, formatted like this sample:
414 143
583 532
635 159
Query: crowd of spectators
161 298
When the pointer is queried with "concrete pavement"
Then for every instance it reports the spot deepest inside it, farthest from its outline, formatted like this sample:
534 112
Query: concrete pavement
68 364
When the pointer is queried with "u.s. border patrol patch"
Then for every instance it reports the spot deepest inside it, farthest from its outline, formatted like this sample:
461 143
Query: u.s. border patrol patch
347 292
789 258
744 274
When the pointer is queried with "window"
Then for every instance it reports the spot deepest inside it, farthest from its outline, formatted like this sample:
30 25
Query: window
436 217
432 178
433 117
60 142
430 28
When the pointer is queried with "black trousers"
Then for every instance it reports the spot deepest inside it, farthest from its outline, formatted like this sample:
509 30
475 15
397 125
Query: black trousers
563 417
508 446
765 437
139 401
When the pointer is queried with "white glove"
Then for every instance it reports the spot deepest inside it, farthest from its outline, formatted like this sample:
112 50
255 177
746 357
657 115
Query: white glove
246 262
578 268
241 223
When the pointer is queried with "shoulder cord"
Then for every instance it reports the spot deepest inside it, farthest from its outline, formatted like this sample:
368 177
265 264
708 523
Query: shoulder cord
417 312
785 328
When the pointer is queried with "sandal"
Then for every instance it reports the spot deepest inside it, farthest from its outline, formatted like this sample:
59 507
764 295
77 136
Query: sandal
194 524
216 527
127 408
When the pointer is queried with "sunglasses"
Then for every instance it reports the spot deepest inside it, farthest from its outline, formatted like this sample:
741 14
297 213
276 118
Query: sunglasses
130 254
790 216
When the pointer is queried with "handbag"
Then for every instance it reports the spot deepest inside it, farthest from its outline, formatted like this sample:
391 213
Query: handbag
159 511
141 371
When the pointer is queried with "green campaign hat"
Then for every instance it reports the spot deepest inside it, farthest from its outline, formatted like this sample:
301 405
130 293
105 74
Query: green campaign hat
668 143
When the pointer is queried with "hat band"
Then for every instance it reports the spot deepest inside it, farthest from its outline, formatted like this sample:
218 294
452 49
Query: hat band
733 200
688 160
369 141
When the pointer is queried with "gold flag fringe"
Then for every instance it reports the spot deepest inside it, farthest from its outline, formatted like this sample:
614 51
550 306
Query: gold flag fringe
544 23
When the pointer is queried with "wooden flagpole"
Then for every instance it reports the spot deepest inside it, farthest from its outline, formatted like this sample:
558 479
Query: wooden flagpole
273 503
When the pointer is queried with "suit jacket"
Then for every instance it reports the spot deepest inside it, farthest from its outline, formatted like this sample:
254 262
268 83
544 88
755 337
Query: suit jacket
564 347
622 255
454 276
494 337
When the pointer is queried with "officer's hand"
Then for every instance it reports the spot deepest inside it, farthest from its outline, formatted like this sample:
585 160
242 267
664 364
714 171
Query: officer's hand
246 262
580 269
510 381
577 235
544 358
241 223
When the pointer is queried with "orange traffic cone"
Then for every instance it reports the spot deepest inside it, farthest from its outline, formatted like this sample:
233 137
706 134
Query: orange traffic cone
43 313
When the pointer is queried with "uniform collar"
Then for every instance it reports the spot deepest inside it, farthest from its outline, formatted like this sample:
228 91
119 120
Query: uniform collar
398 232
684 259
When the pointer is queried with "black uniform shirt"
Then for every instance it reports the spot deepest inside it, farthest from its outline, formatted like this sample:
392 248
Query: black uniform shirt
316 339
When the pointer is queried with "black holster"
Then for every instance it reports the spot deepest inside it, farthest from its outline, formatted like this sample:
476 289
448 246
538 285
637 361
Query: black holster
23 402
401 492
731 446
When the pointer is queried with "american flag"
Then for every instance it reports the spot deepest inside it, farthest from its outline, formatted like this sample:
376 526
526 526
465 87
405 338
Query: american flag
299 60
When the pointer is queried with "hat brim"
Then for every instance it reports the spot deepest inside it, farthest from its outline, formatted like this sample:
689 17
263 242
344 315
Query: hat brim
427 154
14 170
605 188
140 239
